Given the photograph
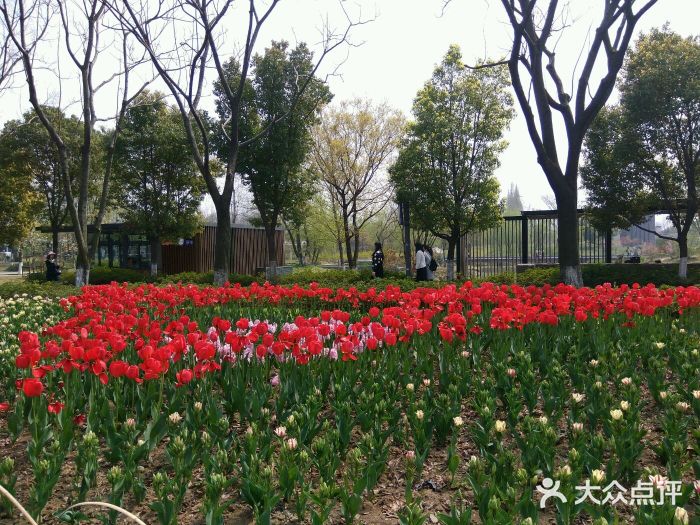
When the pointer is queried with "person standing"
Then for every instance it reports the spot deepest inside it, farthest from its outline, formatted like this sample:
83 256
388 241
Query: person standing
430 263
378 261
421 269
53 270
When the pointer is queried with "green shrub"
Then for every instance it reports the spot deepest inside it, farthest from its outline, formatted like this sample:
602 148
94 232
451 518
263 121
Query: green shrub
538 276
615 274
187 278
45 289
105 275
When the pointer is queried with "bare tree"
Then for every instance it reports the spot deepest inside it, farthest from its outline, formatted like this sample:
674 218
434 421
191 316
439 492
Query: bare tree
351 148
184 70
9 57
542 95
81 28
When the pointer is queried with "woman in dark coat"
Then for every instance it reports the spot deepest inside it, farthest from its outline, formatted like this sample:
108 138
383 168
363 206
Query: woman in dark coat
52 268
378 261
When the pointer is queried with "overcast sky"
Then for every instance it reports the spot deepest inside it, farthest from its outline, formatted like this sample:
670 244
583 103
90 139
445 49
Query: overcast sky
398 50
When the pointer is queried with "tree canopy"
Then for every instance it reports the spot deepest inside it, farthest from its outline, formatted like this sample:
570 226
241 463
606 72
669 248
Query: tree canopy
26 145
156 186
644 154
352 148
281 115
445 169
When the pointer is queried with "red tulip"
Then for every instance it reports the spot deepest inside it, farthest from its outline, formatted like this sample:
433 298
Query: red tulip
32 387
56 407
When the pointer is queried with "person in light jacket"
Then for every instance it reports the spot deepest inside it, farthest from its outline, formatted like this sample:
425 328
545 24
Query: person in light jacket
421 268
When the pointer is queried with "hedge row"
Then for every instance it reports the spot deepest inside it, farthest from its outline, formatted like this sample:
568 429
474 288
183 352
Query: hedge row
616 274
593 275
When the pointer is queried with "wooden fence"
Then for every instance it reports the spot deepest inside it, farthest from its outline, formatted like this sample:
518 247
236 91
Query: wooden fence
248 252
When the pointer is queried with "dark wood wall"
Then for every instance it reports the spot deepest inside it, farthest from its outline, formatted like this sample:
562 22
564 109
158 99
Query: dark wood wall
248 252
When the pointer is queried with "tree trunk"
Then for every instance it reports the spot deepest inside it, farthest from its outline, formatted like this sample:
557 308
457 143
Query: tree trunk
341 258
567 237
222 250
82 276
348 242
300 250
295 241
156 255
683 263
356 248
451 248
54 239
271 271
407 239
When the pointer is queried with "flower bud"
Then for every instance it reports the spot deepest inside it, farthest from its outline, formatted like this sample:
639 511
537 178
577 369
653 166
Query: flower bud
291 444
500 426
616 414
280 432
597 477
521 475
419 415
574 455
114 475
410 387
175 418
577 428
457 421
680 516
198 406
624 405
626 381
563 473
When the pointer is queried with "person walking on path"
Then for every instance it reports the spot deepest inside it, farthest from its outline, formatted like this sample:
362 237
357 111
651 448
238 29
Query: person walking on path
421 268
378 261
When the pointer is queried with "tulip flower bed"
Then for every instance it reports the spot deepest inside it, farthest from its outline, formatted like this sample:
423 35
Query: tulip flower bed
283 404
